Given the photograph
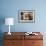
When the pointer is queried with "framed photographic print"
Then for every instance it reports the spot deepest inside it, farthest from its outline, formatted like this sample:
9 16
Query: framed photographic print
26 16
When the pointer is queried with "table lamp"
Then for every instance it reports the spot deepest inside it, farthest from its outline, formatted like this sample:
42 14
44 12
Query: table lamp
9 21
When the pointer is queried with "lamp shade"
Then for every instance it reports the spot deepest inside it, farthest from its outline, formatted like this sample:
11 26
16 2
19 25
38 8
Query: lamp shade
9 21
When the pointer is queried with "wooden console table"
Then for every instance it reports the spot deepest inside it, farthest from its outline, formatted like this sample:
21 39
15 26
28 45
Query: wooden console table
20 39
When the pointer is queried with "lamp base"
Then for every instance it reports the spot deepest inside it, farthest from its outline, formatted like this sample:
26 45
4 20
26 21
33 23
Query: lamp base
9 33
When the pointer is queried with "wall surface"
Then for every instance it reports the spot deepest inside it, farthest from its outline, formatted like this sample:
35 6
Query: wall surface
9 8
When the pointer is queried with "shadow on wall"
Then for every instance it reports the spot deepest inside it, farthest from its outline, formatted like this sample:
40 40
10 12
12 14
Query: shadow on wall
2 21
1 39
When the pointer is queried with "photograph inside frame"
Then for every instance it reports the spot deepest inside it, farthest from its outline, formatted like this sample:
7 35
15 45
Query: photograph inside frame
26 16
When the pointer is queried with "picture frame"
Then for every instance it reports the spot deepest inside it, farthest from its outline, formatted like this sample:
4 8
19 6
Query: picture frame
26 16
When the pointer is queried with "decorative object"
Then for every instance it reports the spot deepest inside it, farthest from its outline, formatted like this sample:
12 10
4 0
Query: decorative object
30 33
26 16
9 21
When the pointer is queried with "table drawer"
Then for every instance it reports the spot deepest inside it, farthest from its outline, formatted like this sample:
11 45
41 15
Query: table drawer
9 42
16 37
13 43
34 37
33 43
